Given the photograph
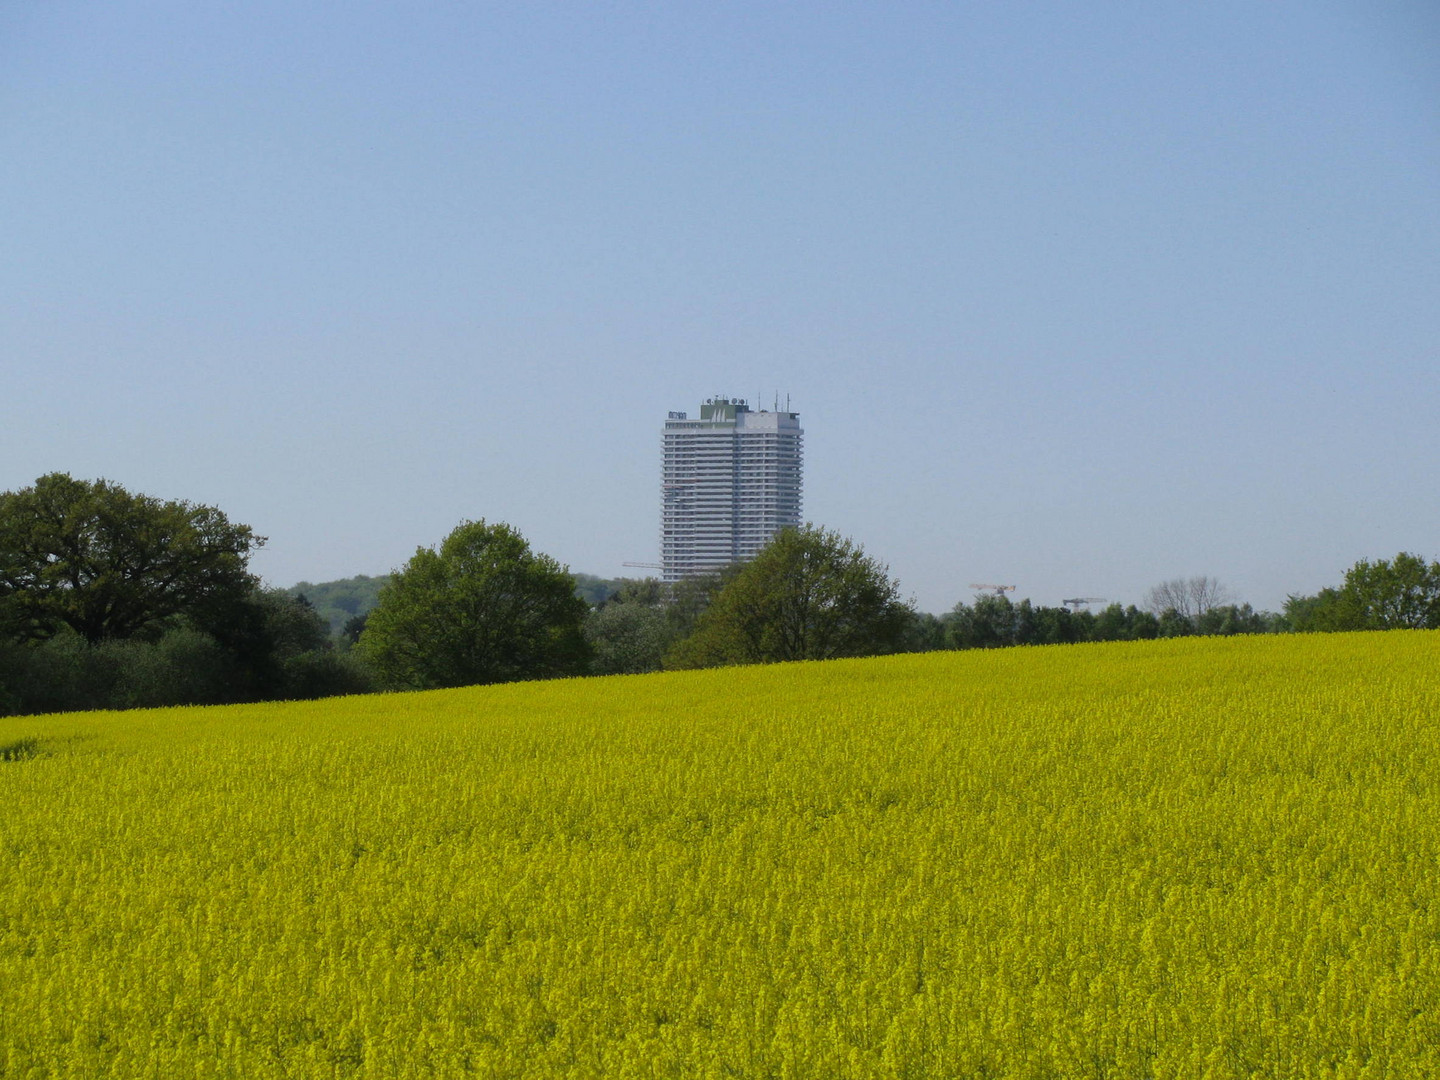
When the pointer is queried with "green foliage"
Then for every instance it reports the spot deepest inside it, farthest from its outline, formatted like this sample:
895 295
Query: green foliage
995 622
482 609
1388 594
342 600
1399 593
322 673
1175 624
65 673
626 638
1116 623
811 594
988 624
353 628
642 619
925 633
114 600
596 591
269 647
282 649
687 600
110 565
647 592
1309 614
1230 619
345 600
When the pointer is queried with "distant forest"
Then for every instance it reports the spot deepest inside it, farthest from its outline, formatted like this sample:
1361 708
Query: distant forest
337 602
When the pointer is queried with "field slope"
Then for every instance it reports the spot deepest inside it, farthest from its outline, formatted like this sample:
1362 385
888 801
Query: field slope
1195 858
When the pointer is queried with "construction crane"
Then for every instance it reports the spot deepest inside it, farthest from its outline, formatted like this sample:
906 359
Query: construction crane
998 590
645 565
1080 601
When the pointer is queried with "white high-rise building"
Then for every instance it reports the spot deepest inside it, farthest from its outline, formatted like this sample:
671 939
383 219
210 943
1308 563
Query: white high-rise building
731 481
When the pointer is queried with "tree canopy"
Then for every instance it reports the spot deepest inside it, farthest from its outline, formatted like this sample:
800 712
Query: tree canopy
1388 594
626 638
483 608
810 594
110 564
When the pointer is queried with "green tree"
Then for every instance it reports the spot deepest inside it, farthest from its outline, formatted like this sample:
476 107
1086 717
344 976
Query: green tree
1388 594
1116 623
810 594
111 565
989 624
626 639
1055 626
1398 593
642 619
281 648
483 608
1174 623
645 592
995 622
926 633
685 601
353 628
1228 619
1326 611
1111 624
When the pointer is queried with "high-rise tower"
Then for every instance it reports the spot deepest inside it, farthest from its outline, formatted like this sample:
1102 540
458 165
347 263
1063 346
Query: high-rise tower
730 481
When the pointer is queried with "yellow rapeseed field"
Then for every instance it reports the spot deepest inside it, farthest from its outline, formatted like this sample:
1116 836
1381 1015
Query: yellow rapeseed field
1195 858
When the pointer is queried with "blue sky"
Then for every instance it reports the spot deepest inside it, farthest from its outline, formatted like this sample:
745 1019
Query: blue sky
1076 296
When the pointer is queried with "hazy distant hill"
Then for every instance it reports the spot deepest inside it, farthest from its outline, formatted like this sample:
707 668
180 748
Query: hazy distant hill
338 601
596 590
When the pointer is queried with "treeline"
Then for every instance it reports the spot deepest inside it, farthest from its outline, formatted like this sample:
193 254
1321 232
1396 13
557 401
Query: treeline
813 595
115 600
993 622
1402 593
647 626
809 595
266 647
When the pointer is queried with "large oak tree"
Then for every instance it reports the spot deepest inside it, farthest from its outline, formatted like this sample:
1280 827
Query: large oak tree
110 564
